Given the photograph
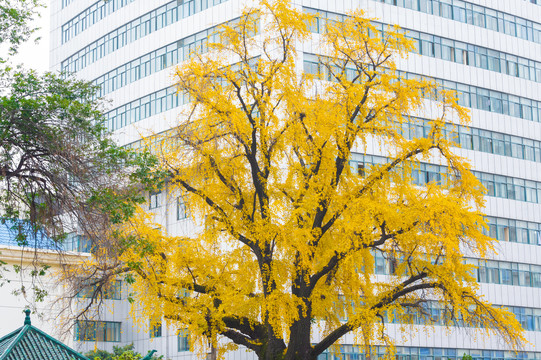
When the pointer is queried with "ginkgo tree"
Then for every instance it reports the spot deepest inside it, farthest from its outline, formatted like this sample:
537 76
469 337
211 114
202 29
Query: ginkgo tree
290 226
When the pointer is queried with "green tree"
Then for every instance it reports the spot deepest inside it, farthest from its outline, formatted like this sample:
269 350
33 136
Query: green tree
119 353
15 19
60 172
58 165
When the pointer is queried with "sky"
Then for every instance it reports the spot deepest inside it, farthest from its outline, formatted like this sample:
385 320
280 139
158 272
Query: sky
32 55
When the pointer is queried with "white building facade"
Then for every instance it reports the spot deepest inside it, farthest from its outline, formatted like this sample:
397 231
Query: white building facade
21 290
488 50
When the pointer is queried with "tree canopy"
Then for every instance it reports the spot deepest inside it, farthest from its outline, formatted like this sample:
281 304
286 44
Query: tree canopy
294 215
58 164
119 353
15 23
56 160
60 171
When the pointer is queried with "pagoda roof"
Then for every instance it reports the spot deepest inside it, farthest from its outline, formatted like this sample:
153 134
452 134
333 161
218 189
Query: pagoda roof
30 343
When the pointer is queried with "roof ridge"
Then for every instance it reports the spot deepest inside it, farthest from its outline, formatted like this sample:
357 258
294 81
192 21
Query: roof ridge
23 330
6 341
5 337
10 334
57 342
27 329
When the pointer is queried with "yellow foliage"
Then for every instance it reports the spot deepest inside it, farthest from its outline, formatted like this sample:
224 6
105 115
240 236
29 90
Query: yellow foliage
289 230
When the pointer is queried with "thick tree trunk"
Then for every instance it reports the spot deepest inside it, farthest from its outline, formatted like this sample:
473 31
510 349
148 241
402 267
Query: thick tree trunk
274 350
299 347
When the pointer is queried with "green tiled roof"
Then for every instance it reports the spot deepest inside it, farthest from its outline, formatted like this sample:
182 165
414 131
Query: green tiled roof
30 343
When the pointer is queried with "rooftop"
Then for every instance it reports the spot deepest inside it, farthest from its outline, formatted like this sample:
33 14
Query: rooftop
30 343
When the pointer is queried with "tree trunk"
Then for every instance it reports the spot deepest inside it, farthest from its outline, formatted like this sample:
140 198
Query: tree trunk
275 348
212 354
299 347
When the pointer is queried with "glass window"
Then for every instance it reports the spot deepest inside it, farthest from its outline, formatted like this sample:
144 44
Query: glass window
380 265
459 13
524 275
154 200
130 32
482 273
78 243
481 59
510 28
493 272
87 330
535 277
88 17
505 274
485 142
155 328
466 138
447 50
500 186
494 61
361 169
182 210
112 291
183 340
427 46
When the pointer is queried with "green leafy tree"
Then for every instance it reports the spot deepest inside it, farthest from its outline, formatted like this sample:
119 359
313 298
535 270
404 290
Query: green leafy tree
58 165
119 353
15 22
60 171
55 156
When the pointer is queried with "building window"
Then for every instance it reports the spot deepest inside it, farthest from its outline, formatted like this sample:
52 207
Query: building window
154 199
87 330
183 293
183 340
131 31
89 17
360 169
78 243
112 291
155 328
182 209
